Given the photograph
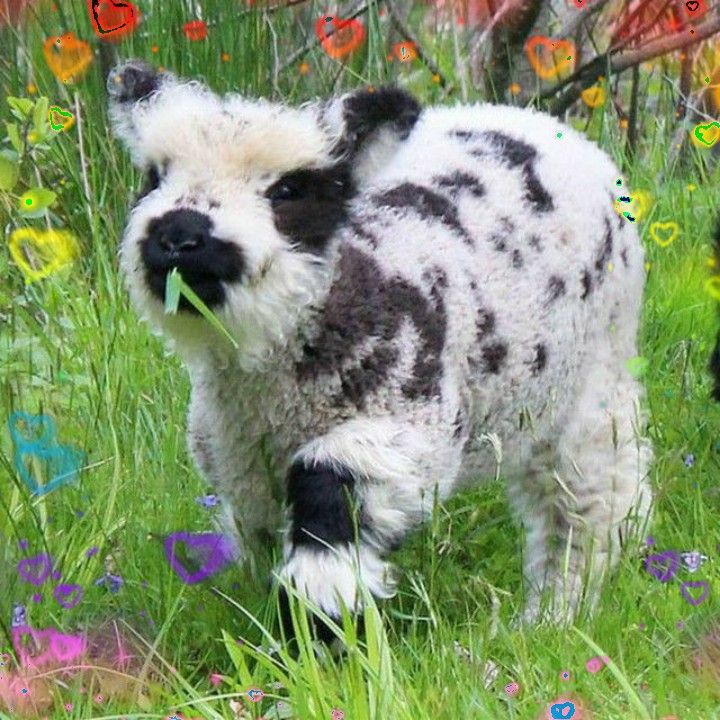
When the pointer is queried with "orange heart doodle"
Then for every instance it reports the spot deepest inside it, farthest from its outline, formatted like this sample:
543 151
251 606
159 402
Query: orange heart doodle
67 57
346 38
544 63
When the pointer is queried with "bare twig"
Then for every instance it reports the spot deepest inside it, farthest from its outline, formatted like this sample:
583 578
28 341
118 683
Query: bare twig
612 62
581 17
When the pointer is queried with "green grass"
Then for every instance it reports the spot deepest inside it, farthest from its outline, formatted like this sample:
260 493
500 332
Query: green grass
71 347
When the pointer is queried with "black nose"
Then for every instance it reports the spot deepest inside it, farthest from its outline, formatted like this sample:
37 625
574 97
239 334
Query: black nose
180 231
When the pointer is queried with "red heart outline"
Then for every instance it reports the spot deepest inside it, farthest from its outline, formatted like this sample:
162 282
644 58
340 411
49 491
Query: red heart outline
328 42
100 18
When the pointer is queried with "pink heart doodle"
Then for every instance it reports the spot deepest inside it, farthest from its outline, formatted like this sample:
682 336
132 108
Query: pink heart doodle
24 567
60 647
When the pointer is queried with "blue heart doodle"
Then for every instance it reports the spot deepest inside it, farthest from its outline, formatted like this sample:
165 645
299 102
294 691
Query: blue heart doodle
62 462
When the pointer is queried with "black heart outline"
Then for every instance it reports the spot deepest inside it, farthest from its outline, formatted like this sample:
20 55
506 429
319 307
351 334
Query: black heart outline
692 2
96 3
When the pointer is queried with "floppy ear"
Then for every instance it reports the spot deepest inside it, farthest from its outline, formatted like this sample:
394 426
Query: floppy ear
370 126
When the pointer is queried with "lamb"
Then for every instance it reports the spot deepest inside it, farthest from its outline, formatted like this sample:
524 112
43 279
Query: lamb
417 295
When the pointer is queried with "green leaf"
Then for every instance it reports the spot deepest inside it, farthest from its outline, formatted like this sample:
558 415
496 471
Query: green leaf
200 306
14 135
172 292
40 116
36 200
9 172
20 107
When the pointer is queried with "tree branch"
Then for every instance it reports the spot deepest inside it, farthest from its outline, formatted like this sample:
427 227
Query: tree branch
611 62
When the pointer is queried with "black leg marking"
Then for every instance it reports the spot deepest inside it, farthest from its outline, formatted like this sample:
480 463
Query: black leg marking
319 497
428 204
517 259
623 256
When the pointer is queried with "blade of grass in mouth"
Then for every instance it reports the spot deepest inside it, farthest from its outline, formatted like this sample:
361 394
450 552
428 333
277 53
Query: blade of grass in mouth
176 286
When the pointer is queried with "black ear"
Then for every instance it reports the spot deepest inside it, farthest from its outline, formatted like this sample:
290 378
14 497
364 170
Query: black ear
366 112
133 80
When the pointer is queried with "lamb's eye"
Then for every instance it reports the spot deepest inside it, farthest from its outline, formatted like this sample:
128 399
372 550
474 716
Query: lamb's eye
284 191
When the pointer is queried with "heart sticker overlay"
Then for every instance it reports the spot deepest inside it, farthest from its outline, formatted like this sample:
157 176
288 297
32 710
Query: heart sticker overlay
712 286
62 591
35 570
59 647
27 429
692 5
593 96
61 462
255 695
545 64
67 57
562 710
113 20
336 714
347 36
692 584
60 125
596 664
211 550
669 560
40 253
708 134
195 30
512 689
663 233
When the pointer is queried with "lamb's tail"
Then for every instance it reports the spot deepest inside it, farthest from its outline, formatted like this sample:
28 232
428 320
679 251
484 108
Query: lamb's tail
715 357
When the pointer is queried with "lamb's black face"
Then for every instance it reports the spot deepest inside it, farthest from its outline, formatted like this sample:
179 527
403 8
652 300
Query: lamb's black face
183 239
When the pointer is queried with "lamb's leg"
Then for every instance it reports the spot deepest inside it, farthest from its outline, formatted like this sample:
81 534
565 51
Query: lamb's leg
353 494
594 494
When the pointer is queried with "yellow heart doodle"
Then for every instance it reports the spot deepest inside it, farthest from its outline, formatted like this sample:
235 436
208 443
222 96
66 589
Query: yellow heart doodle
713 133
40 253
658 232
713 286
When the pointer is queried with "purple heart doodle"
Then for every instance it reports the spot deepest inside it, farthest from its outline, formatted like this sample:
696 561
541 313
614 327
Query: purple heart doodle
213 550
24 567
63 591
694 584
655 563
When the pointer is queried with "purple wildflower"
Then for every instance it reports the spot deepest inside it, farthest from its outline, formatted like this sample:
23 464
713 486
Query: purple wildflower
112 582
207 501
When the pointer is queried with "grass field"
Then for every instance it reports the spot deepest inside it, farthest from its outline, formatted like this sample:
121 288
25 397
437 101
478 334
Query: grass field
72 348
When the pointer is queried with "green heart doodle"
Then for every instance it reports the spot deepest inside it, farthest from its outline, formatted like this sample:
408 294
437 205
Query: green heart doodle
699 132
59 111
